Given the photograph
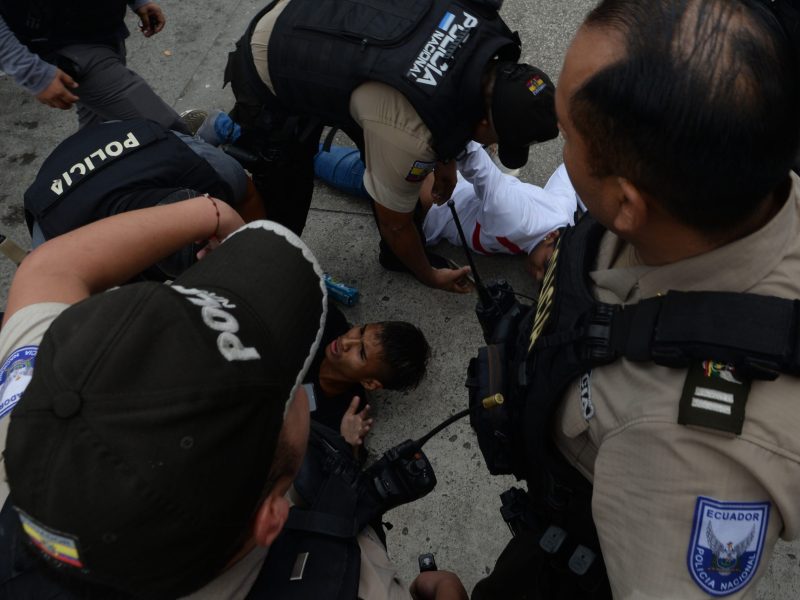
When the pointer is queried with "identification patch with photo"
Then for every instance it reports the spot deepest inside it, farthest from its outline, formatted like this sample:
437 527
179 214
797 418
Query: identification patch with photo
727 544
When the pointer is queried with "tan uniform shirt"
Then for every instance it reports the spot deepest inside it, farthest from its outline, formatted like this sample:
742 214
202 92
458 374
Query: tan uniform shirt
685 512
19 342
397 144
378 580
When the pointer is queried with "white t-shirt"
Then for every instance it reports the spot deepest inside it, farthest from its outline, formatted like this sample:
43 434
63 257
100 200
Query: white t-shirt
498 212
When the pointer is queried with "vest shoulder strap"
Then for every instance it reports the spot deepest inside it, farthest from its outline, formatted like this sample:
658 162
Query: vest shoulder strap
756 334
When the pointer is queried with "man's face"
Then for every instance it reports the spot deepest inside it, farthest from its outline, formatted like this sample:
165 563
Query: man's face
357 355
591 50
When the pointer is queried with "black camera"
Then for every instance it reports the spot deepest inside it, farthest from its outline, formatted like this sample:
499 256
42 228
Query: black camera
331 478
403 474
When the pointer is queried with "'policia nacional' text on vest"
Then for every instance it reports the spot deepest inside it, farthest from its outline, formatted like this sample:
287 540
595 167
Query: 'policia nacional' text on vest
434 52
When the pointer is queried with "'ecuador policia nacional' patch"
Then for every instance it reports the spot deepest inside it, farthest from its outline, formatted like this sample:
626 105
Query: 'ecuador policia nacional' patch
713 397
433 61
727 544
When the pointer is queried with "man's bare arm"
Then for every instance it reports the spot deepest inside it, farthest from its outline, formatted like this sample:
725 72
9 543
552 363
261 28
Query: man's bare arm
111 251
398 230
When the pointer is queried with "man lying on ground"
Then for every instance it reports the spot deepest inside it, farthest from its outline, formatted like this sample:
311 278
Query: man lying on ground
499 213
354 359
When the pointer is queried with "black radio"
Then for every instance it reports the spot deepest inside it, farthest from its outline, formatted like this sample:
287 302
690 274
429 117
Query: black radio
489 380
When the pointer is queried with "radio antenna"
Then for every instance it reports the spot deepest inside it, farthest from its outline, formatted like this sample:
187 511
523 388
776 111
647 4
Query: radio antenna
483 293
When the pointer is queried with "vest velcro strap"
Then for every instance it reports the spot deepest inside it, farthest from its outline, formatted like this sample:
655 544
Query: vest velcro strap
634 327
756 334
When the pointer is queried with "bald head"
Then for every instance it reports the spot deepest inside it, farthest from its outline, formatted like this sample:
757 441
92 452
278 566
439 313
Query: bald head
693 101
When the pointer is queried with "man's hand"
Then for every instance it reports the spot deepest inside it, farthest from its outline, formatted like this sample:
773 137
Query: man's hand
398 230
438 585
58 94
452 280
152 19
537 261
355 426
444 181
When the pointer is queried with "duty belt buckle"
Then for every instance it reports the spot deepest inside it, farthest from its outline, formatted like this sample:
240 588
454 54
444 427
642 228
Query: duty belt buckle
597 339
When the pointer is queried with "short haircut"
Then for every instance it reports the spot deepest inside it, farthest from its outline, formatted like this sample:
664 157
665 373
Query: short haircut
703 112
405 353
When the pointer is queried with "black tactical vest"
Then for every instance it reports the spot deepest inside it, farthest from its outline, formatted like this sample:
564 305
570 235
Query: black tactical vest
570 333
434 52
112 168
46 25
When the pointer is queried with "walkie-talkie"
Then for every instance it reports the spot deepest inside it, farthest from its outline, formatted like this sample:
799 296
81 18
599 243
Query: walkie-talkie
495 300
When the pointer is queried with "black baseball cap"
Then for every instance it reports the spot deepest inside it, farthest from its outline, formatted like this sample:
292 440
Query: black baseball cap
523 111
138 454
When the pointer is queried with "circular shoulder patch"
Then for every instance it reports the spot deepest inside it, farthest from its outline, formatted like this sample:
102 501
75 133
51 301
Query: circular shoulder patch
15 375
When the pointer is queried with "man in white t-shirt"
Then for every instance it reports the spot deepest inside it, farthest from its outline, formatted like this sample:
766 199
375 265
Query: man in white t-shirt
499 213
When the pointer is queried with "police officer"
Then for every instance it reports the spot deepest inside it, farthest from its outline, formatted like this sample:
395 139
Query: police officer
125 411
119 166
411 84
660 410
67 53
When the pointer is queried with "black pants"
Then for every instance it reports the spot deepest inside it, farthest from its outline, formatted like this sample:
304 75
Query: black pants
285 143
525 572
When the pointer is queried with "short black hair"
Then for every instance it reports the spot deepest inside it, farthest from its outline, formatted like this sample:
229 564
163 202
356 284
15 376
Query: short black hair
703 111
405 353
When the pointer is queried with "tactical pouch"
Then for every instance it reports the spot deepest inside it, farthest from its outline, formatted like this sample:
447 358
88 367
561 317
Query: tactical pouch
491 416
304 564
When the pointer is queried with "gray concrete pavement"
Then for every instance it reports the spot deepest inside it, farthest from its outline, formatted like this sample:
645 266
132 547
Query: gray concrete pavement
459 520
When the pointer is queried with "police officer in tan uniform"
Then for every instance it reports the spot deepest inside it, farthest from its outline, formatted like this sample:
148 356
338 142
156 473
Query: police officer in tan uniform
680 127
409 109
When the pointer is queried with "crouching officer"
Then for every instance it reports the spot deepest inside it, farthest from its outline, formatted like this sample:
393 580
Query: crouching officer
119 166
657 379
410 83
105 467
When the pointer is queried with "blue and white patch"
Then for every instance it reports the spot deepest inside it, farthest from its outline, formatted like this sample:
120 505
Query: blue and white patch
447 21
15 375
727 544
434 59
